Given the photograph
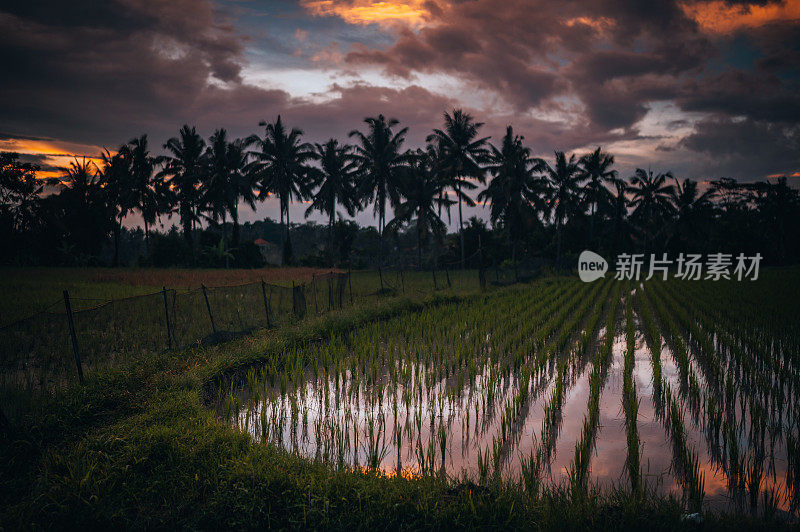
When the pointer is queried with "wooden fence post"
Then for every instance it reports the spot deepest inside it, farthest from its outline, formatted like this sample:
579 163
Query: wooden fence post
74 336
166 315
402 281
208 306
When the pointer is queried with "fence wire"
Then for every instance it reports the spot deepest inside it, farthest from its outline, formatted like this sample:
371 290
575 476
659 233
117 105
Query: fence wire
37 353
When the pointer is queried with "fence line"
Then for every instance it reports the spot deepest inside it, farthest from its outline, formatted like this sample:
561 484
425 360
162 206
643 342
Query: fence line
60 343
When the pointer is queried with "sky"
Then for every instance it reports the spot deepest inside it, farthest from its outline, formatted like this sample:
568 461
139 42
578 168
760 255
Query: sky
705 89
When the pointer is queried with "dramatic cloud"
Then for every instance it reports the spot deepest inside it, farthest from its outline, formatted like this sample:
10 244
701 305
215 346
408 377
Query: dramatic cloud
672 82
736 147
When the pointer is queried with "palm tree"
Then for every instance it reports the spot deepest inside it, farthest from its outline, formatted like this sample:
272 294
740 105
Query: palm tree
228 181
562 192
82 177
619 210
461 157
281 167
380 163
335 182
514 191
778 206
651 202
147 191
184 167
421 188
116 184
596 168
84 210
693 211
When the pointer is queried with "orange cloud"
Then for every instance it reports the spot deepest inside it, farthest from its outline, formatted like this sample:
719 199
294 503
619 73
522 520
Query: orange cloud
775 176
51 154
717 16
412 12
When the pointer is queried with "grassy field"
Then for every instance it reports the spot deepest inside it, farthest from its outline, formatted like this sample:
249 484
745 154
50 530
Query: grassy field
29 290
536 406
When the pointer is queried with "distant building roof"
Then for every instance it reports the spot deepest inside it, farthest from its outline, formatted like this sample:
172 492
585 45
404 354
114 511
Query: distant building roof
260 242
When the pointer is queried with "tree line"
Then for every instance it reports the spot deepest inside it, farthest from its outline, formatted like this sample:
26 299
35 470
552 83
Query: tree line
537 208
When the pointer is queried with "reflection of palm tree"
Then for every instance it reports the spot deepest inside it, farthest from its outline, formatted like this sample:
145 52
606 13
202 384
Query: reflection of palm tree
514 191
651 202
596 168
461 156
281 168
380 163
228 182
184 167
421 187
336 182
562 192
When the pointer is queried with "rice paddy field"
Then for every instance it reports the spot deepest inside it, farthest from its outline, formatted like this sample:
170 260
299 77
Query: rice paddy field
683 389
547 404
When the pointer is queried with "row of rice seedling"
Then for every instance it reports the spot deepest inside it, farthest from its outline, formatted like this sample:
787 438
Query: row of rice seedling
579 470
756 367
542 451
756 425
377 357
764 330
452 389
630 401
540 367
686 466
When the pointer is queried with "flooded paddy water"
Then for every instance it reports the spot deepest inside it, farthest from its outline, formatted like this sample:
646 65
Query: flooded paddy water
601 386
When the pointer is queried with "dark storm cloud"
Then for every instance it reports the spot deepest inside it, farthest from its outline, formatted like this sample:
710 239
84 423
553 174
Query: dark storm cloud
102 72
530 52
745 147
757 95
124 65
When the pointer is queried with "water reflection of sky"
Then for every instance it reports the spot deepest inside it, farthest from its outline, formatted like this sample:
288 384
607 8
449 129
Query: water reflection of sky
413 419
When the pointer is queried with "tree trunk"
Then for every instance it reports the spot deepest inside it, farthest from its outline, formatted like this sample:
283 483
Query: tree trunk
117 231
283 237
187 227
235 229
461 227
419 247
146 238
381 215
288 249
225 242
330 236
558 244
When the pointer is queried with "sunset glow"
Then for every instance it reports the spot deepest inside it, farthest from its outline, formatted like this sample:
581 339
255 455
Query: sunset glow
411 12
50 155
722 17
